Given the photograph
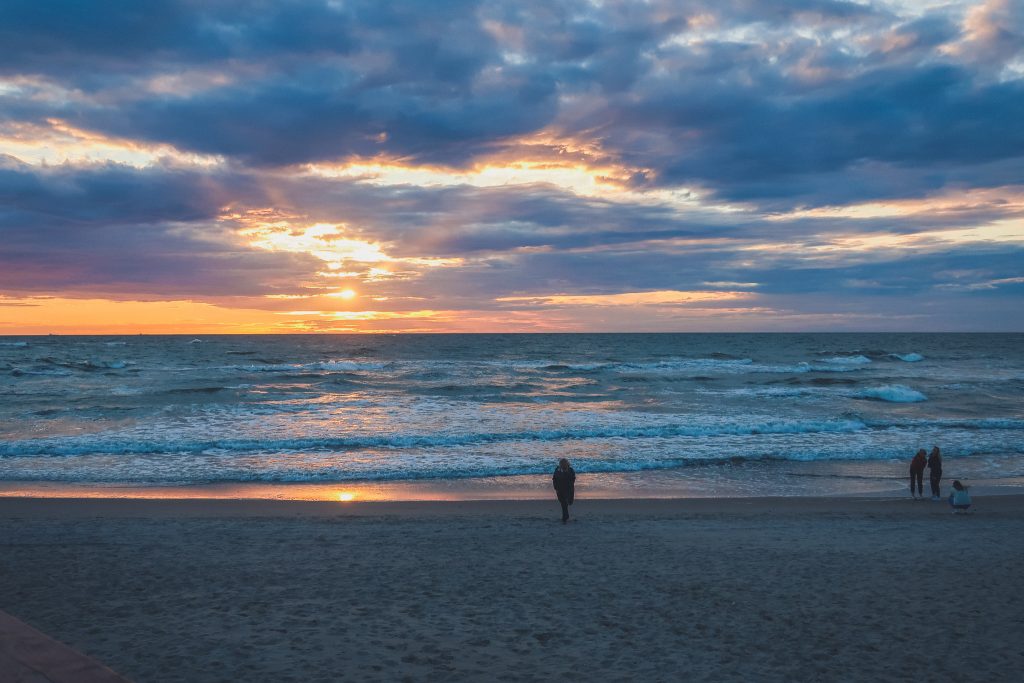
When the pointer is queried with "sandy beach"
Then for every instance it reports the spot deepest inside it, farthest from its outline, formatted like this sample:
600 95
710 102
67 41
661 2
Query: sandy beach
744 589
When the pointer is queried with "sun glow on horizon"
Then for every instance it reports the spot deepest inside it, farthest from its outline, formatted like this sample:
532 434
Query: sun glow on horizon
332 243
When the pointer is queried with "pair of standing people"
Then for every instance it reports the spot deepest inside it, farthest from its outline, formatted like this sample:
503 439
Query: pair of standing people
934 463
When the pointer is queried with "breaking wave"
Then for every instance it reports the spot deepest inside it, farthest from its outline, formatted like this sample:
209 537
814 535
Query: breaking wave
86 445
893 393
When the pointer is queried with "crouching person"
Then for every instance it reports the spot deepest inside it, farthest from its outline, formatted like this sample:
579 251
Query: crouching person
959 499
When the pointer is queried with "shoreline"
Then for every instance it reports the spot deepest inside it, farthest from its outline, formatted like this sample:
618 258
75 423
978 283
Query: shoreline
756 479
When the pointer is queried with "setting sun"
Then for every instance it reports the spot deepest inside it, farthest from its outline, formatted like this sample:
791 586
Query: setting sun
346 294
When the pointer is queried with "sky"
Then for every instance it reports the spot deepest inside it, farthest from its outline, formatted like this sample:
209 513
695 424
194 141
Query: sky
208 166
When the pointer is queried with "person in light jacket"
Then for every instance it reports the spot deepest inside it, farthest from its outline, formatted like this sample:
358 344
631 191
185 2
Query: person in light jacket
564 481
959 499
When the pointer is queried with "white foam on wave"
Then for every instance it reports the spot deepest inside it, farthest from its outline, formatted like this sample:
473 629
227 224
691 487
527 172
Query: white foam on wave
92 444
496 460
804 367
16 344
848 360
325 366
908 357
983 423
783 392
893 393
347 366
667 366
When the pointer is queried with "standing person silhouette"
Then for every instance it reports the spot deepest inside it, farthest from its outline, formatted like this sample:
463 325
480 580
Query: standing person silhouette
564 481
935 476
917 473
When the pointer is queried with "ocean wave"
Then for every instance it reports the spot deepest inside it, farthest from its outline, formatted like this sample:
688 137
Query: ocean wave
89 445
41 372
488 389
730 367
15 344
686 364
829 381
833 367
668 368
88 365
847 360
575 367
325 366
983 423
196 390
209 471
387 472
893 393
907 357
802 368
671 365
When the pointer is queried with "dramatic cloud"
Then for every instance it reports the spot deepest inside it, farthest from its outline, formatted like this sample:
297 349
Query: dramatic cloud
447 164
114 230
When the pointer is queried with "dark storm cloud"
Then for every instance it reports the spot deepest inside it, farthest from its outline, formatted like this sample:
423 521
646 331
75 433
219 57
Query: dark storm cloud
155 232
66 38
107 194
292 120
113 229
455 221
306 81
749 116
980 271
756 146
772 104
468 221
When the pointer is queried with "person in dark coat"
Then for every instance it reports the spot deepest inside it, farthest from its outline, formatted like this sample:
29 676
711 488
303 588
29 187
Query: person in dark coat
917 472
935 475
564 481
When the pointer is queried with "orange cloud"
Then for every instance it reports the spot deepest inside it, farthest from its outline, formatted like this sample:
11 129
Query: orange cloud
664 297
60 142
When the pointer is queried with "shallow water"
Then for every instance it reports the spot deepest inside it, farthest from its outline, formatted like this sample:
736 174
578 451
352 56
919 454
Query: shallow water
347 408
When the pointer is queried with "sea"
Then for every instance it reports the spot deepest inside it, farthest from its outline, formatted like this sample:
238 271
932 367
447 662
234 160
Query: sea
700 414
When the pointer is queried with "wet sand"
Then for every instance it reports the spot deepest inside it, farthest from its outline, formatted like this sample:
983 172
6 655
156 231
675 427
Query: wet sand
842 589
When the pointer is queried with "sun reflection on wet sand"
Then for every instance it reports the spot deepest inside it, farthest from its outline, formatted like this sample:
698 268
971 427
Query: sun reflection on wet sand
870 478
